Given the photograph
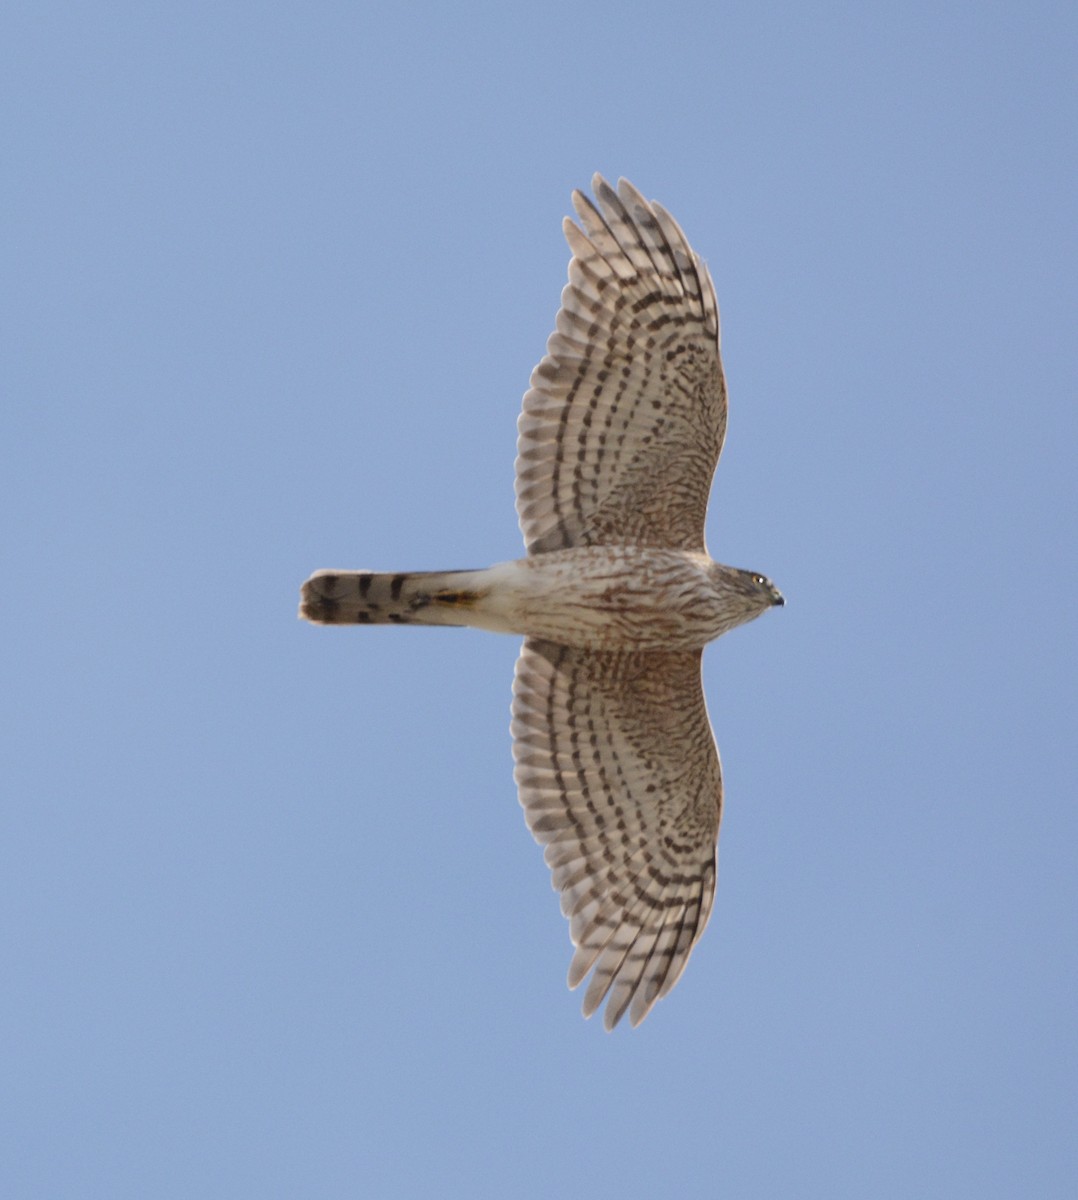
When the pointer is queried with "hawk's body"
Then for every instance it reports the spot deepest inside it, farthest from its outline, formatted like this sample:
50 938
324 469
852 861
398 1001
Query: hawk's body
619 437
594 598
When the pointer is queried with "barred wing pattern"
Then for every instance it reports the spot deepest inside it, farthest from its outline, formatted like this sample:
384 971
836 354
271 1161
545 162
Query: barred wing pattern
624 421
619 778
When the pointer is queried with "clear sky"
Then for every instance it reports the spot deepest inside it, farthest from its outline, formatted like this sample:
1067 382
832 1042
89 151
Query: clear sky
274 278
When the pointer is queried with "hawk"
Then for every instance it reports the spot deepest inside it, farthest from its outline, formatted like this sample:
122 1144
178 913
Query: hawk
616 597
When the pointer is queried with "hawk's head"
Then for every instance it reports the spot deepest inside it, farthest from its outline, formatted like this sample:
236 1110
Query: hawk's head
743 594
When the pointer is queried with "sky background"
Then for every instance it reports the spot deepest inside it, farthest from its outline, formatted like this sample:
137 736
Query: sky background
274 278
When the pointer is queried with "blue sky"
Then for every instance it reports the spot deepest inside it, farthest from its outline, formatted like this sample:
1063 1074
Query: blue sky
274 279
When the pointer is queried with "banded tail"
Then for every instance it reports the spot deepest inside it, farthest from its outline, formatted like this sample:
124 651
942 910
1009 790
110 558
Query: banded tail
372 598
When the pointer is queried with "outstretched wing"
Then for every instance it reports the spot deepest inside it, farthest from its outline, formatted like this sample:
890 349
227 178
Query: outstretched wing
624 420
619 778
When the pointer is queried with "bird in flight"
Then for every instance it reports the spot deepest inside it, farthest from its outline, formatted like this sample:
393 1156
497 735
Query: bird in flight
616 597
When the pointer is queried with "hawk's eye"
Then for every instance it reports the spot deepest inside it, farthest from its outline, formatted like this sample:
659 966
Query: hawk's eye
759 579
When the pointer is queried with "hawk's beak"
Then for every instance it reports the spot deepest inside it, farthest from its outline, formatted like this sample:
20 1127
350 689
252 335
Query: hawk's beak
777 598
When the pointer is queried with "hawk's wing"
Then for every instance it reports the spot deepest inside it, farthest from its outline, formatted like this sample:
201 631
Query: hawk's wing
625 418
619 778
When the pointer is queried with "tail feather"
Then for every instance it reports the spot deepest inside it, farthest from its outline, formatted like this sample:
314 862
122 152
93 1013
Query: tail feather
373 598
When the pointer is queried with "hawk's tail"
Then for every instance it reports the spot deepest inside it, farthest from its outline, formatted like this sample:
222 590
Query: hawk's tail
407 598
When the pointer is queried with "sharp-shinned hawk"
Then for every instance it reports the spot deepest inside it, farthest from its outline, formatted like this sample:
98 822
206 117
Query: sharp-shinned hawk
619 437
